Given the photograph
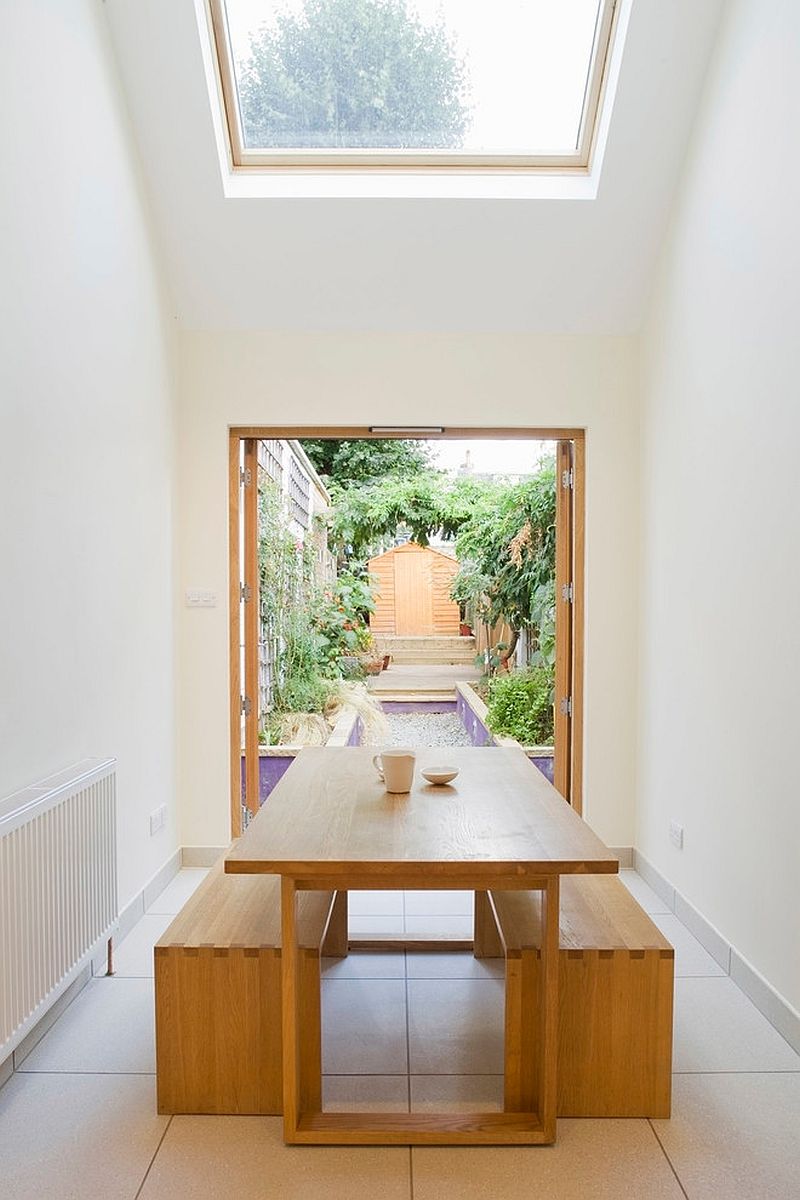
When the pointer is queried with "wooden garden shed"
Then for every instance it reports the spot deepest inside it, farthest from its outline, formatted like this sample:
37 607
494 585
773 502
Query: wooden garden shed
413 592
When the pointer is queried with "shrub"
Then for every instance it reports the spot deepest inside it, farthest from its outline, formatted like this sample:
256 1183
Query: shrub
521 706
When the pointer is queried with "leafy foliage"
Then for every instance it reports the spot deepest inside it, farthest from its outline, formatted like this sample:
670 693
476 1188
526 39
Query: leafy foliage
421 504
344 462
521 706
505 539
353 74
308 631
340 616
506 548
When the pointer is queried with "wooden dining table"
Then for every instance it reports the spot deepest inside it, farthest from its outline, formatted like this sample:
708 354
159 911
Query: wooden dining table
329 824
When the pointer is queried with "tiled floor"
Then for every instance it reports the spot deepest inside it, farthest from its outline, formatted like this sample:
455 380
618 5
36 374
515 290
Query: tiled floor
401 1031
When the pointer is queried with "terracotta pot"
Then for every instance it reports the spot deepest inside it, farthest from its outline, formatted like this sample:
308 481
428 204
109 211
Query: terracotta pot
464 630
387 658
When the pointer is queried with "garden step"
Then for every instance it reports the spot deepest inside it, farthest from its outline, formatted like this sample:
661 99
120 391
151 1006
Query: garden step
407 642
444 651
440 658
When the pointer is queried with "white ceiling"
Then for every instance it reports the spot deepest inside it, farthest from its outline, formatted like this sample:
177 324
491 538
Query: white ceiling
436 264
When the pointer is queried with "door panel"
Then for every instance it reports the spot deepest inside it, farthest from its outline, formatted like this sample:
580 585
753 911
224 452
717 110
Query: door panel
413 593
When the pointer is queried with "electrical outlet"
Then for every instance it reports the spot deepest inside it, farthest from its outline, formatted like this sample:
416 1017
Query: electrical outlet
158 819
676 834
201 598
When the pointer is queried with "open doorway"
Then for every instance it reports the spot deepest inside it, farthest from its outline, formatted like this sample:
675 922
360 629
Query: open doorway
406 548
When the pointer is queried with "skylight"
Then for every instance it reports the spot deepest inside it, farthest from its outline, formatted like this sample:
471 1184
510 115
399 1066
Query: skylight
440 83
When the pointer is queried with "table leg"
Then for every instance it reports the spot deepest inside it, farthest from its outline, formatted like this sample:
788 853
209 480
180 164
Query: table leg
289 1010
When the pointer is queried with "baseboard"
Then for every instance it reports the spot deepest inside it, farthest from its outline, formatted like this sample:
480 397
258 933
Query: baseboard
625 856
202 856
48 1020
135 909
778 1011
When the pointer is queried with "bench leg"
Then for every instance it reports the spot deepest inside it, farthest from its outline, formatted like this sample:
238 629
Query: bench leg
522 1058
486 939
309 1014
335 943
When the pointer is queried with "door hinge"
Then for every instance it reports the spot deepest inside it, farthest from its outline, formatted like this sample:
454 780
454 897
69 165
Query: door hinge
565 706
567 592
245 476
568 478
246 593
247 705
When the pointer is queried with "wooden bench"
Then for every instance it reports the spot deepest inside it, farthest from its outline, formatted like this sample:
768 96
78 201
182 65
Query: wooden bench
615 998
218 994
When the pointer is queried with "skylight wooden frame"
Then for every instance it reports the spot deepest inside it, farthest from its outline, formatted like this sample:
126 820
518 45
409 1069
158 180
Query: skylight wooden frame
435 161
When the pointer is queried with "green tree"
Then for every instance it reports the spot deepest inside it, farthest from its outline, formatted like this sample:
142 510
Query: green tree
353 74
344 462
506 549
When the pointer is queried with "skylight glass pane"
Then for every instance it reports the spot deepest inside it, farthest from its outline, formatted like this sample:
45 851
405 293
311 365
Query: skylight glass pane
482 77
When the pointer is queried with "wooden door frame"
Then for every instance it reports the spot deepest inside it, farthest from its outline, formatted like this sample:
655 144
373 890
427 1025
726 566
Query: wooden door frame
238 433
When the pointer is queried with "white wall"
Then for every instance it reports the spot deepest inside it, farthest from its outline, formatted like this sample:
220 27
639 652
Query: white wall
86 606
231 379
721 507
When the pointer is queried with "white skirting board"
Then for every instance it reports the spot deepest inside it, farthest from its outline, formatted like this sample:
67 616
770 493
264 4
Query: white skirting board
778 1011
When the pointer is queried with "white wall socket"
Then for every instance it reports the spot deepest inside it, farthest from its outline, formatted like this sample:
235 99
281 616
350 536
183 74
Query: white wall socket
201 598
158 819
676 834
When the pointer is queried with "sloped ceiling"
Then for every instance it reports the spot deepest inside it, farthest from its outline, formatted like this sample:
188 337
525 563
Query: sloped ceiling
545 266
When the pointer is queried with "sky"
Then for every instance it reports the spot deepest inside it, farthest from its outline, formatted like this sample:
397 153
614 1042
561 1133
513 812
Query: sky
514 456
527 62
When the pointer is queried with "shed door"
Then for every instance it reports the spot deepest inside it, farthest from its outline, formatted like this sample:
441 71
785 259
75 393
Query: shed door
413 593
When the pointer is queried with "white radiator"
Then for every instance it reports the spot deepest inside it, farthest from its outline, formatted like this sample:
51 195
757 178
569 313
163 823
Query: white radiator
58 889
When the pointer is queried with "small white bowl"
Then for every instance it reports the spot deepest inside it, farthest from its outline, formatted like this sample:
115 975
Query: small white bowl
440 775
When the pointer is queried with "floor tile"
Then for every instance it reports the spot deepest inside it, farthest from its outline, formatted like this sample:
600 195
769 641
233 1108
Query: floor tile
457 1093
77 1137
690 957
376 904
362 925
642 892
364 964
217 1158
108 1027
442 904
364 1027
718 1029
735 1136
455 1026
365 1093
458 928
604 1160
460 964
133 957
178 890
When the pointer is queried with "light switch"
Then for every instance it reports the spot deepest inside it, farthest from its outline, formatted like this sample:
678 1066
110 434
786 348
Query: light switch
201 598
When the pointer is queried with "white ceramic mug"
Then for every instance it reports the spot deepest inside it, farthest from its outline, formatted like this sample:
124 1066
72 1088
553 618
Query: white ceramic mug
396 769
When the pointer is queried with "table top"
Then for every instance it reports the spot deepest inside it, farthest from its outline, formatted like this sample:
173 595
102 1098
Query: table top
330 815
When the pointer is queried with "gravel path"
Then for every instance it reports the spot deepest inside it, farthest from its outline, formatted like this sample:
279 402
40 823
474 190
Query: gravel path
426 729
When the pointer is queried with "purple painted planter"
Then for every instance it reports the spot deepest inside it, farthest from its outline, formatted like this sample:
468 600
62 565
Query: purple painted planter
545 765
479 734
273 767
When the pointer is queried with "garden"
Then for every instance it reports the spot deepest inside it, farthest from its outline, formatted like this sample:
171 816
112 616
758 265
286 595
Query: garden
317 648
